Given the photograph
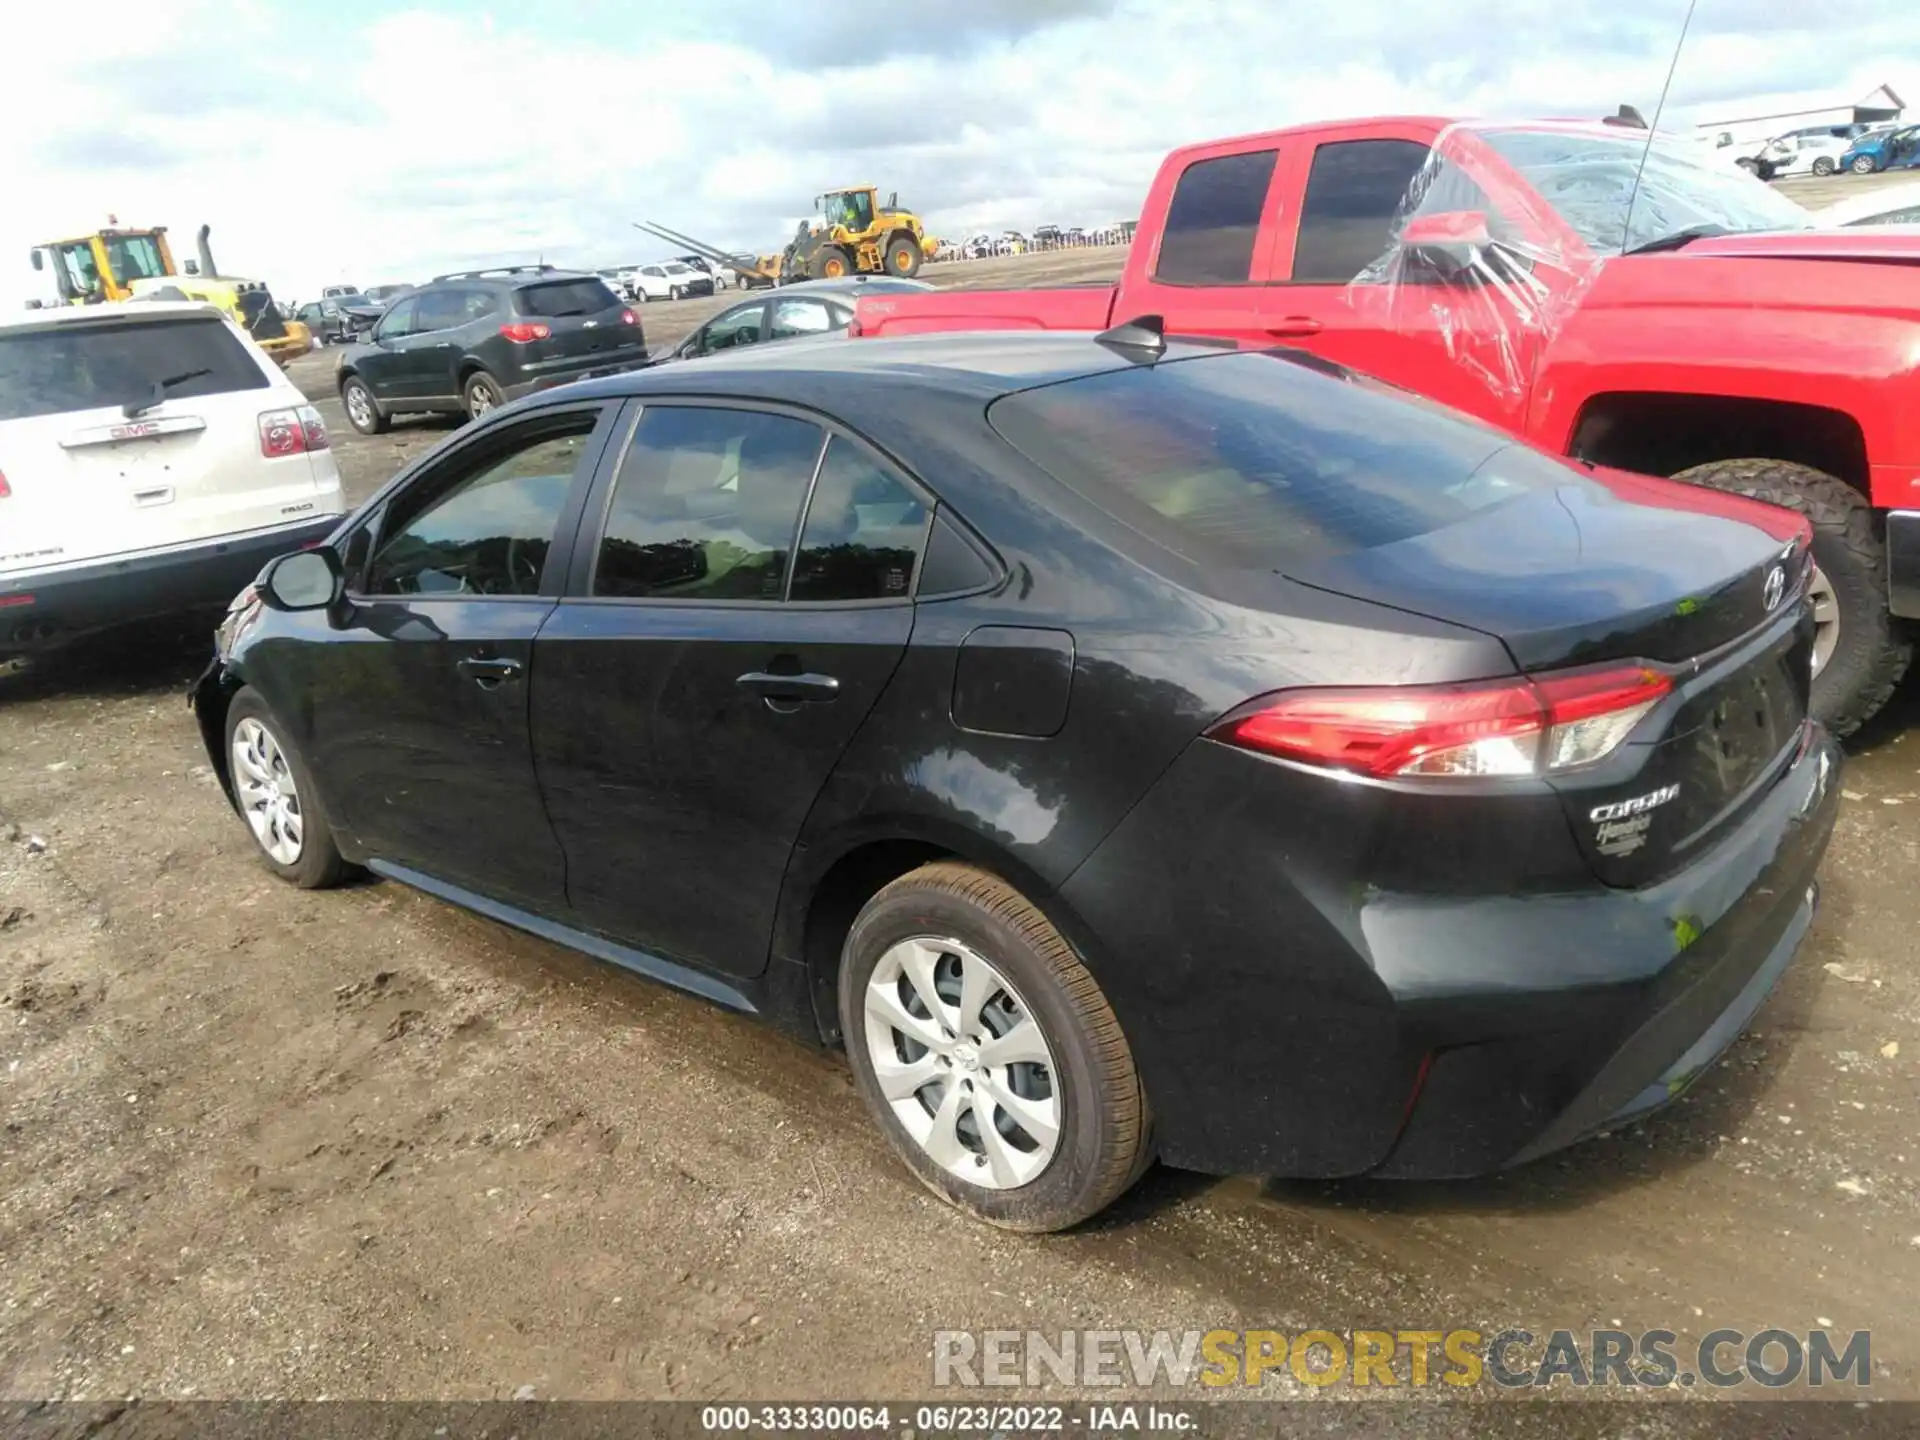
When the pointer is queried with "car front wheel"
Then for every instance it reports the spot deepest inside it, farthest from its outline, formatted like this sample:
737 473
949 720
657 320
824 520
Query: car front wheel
987 1054
1863 165
274 794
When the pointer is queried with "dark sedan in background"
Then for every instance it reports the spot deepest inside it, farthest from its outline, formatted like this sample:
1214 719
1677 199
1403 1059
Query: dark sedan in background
340 320
1120 746
807 308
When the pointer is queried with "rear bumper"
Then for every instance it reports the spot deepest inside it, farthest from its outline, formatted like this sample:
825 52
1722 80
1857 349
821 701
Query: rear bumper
1293 1016
568 377
44 609
1903 563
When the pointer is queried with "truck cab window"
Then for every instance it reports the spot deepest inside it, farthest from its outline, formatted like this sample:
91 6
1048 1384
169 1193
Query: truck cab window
1354 194
1214 220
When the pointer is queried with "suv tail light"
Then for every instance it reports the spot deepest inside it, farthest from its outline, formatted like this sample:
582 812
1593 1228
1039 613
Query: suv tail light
627 317
1538 725
296 430
523 332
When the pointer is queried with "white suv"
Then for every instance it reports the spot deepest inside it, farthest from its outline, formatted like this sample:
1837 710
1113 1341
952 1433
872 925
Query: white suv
152 459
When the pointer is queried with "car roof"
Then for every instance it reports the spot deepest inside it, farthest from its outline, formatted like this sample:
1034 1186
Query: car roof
859 284
139 311
981 365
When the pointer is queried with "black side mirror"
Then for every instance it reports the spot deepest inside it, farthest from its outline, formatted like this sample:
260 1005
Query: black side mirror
305 580
39 260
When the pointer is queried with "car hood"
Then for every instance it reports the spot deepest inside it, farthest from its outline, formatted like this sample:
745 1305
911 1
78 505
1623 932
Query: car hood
1881 245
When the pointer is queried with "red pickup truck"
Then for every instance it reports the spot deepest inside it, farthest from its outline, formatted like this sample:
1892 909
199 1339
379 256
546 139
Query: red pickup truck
1638 306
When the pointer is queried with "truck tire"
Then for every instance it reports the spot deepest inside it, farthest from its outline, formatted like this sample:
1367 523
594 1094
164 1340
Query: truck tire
971 938
1860 650
832 263
1863 165
903 257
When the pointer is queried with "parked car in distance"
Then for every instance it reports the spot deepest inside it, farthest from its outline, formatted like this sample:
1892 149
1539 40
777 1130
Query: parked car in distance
1894 204
1890 149
1119 745
671 280
1608 352
1816 151
805 308
330 292
151 459
720 275
471 341
616 281
340 319
387 294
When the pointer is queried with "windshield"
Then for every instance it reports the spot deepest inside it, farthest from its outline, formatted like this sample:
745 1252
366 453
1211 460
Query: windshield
135 257
674 267
1588 177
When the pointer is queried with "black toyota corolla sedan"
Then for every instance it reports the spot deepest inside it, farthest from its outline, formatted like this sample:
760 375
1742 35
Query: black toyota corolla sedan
1122 747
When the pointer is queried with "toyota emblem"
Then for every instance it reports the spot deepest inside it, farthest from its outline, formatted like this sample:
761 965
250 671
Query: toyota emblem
1775 588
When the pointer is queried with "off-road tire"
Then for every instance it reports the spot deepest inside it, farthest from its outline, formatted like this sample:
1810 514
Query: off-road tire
1106 1126
1873 650
903 257
378 421
320 866
824 262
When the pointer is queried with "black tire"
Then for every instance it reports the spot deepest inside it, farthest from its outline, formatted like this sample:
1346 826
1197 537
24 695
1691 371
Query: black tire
674 292
832 263
370 419
1752 167
1823 165
319 864
903 257
1105 1139
1863 165
480 393
1872 651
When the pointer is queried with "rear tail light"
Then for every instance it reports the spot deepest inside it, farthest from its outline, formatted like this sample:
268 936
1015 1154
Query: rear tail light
524 332
5 489
293 431
1539 725
627 317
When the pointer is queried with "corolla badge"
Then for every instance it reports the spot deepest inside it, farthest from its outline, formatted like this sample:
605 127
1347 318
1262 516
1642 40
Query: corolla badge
1621 827
1775 589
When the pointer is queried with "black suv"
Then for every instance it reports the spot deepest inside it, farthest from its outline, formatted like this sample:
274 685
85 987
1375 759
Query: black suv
468 342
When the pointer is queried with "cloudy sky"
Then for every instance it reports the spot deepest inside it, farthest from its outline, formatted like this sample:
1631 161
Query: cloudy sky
353 140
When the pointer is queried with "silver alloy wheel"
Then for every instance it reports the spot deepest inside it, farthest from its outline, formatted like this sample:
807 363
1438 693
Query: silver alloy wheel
1826 619
479 399
963 1063
359 406
268 796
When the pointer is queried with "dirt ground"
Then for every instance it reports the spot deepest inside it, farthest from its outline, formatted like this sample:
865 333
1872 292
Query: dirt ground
260 1142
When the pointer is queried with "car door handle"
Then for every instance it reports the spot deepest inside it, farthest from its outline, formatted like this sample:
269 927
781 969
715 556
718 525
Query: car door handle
489 670
790 687
1295 325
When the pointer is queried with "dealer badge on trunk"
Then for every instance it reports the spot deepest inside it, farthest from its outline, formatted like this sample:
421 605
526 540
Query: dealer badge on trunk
1621 828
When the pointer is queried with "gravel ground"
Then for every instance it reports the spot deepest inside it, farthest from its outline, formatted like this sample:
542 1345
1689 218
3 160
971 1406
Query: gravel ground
260 1142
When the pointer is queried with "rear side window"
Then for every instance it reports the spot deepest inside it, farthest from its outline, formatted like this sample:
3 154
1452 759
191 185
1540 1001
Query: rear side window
90 366
1214 220
706 505
1249 461
566 297
864 532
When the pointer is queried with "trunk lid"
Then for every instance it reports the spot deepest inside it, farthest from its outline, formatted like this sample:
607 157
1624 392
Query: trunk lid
1710 588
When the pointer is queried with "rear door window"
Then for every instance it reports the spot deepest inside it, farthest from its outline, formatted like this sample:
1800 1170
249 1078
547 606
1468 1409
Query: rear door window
93 365
557 298
864 533
706 505
441 310
1213 221
741 327
1249 461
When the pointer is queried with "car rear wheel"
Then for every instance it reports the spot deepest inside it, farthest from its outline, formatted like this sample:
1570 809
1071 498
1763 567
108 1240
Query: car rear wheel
1823 165
1862 165
274 795
363 411
987 1053
903 257
1859 650
482 393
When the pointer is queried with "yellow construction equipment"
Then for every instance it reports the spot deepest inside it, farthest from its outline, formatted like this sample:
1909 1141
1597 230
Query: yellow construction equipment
115 264
858 235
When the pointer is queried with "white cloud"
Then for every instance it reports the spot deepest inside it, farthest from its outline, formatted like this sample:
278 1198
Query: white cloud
422 140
